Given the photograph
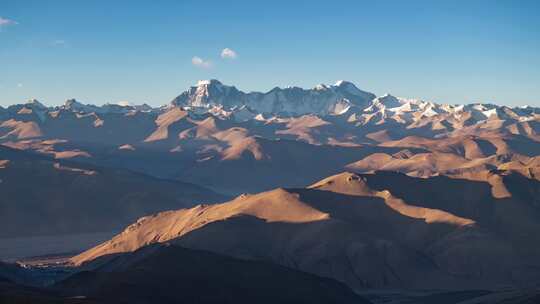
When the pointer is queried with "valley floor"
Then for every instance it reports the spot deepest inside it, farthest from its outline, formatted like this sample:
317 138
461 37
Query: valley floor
13 249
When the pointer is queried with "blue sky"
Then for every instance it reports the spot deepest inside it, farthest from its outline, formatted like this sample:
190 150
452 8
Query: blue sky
142 51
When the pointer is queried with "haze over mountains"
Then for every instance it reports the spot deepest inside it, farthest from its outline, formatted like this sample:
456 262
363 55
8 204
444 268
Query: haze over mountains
373 192
42 196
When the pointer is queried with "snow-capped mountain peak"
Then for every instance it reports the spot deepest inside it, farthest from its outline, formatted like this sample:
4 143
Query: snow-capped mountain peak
340 83
388 101
349 87
322 87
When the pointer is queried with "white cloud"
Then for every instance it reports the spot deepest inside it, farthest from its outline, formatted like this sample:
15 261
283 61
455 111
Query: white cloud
124 103
19 85
198 61
59 42
228 53
5 21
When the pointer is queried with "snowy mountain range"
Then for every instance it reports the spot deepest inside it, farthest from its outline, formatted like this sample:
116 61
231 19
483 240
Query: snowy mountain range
342 98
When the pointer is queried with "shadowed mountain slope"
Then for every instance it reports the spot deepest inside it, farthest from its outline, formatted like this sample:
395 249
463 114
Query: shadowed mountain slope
356 229
42 196
171 274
